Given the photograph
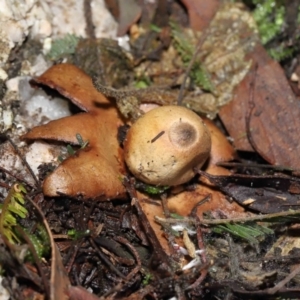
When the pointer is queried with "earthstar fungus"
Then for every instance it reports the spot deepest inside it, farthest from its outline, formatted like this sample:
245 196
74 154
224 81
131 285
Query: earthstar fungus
164 146
95 171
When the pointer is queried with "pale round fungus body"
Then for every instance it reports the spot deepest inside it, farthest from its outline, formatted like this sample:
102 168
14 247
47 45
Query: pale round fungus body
165 145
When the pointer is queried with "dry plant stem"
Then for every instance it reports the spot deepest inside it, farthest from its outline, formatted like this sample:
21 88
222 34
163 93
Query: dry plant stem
113 255
127 93
128 100
90 211
53 249
105 260
192 61
164 201
16 177
125 242
74 252
265 218
24 161
283 282
200 241
251 106
119 286
61 236
153 239
259 166
201 246
4 185
193 213
93 275
79 243
90 28
24 235
141 293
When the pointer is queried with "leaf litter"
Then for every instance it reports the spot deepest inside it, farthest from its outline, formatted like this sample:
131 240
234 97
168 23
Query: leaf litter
96 172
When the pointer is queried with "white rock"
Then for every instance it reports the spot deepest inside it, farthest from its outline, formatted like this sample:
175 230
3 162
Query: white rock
39 107
65 16
3 74
13 84
4 295
44 18
41 29
9 160
7 119
39 66
47 44
105 25
14 25
15 31
5 45
39 153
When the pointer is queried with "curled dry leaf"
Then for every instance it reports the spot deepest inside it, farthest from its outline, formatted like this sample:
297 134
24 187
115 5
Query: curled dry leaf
96 170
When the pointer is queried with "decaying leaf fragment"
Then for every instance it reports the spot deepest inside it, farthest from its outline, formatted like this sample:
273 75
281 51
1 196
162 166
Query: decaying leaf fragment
266 194
96 170
266 115
231 34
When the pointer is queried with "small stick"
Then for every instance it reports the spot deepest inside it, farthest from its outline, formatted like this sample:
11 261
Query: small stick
192 61
265 218
251 106
24 161
283 282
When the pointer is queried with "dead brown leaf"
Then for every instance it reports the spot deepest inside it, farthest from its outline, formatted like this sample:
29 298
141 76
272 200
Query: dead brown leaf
274 121
127 13
130 12
96 170
201 12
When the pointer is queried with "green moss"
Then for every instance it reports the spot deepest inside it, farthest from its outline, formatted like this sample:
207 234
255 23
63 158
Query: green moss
147 279
71 151
269 16
281 53
63 47
40 241
77 234
186 49
150 189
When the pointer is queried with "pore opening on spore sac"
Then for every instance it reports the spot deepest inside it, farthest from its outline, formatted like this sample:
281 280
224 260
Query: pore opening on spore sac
182 134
